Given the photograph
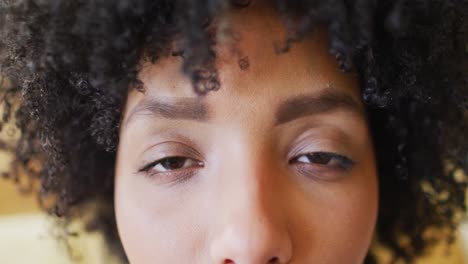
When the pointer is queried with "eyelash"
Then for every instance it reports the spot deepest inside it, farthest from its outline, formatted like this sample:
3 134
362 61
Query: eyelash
180 174
150 165
341 163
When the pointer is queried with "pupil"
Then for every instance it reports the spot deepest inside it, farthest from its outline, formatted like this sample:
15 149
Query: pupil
173 163
320 158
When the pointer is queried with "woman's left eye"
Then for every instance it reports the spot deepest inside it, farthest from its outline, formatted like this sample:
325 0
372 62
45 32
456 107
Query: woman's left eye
325 159
171 164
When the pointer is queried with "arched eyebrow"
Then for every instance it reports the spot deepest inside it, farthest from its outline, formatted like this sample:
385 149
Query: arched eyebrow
196 109
305 105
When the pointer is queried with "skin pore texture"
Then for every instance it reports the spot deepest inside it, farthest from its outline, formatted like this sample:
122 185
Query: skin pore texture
248 179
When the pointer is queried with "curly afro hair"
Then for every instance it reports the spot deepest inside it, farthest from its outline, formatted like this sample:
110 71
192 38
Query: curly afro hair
70 65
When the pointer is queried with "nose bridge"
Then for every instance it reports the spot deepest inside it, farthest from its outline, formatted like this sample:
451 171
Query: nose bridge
255 206
253 181
251 227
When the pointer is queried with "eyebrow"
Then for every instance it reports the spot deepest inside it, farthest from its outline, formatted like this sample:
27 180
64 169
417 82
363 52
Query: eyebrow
188 108
305 105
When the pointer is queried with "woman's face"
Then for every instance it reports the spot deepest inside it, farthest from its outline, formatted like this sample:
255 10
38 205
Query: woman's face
275 167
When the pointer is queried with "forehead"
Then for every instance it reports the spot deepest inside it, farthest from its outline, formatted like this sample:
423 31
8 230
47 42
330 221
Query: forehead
249 65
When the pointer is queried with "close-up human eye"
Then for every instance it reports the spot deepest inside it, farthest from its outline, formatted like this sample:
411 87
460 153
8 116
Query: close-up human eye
170 164
328 159
171 169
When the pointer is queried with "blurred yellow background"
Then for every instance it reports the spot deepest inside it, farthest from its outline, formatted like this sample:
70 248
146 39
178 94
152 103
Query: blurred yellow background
27 235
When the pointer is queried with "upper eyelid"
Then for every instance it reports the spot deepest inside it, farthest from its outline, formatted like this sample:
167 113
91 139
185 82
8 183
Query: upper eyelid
179 147
302 149
322 136
171 136
190 152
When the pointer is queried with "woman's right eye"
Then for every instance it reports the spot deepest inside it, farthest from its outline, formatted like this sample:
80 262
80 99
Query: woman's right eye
169 164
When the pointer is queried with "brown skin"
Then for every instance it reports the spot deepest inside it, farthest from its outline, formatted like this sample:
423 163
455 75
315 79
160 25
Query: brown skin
246 192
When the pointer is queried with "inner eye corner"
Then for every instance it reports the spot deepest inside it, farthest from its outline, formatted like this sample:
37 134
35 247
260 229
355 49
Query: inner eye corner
293 159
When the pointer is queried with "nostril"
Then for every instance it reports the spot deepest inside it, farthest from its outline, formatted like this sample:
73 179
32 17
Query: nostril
273 260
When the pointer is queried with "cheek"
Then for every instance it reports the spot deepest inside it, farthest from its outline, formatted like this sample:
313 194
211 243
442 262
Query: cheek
343 221
337 220
350 220
151 226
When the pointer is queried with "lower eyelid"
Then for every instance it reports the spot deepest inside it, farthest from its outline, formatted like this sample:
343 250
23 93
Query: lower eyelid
324 167
172 177
316 173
